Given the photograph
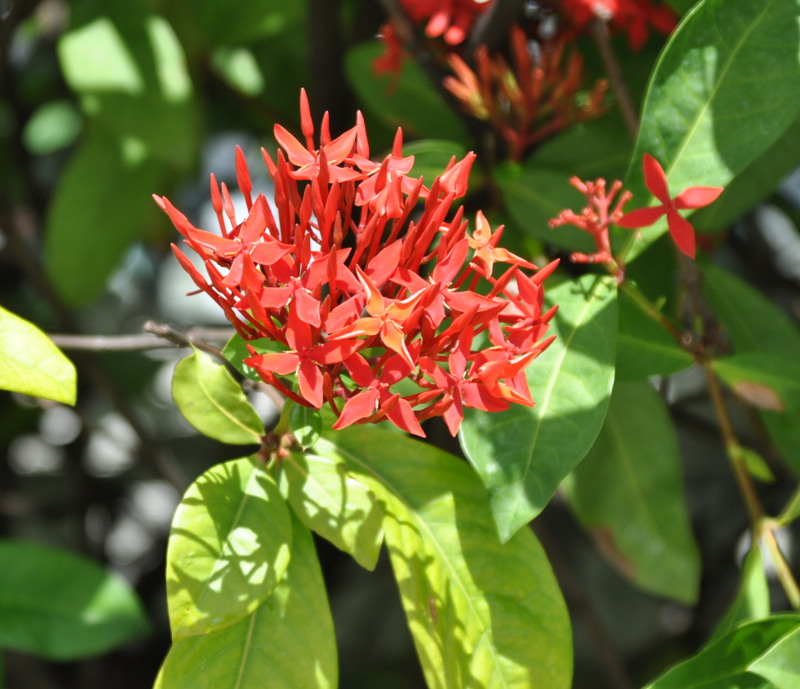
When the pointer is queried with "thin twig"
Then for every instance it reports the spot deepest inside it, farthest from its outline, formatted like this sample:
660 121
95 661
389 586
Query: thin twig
602 41
151 339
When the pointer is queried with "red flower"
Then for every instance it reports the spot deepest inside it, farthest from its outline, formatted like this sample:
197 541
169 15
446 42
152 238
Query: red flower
450 19
694 197
337 280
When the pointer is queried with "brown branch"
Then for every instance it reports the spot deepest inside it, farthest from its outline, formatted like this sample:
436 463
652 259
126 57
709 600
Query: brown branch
602 41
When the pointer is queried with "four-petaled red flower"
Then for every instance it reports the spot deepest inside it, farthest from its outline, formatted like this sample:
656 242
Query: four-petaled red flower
372 299
681 229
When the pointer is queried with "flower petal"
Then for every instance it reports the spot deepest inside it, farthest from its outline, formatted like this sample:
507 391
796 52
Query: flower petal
682 232
655 179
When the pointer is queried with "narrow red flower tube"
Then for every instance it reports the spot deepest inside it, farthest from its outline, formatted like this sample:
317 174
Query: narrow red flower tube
378 311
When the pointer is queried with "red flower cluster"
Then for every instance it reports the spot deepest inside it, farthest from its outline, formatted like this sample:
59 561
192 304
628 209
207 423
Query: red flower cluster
375 300
531 102
632 16
450 19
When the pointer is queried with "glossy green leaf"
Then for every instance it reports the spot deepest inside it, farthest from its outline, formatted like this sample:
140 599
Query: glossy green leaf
236 352
412 102
285 643
62 606
306 425
331 501
538 189
524 453
31 364
482 613
129 70
753 184
213 402
781 663
228 548
717 98
644 348
101 204
628 491
752 322
722 663
752 598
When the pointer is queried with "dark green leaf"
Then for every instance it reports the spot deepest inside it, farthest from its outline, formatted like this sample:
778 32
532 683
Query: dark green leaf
411 103
228 548
213 402
629 491
31 364
61 606
331 501
717 99
431 156
524 453
482 613
752 322
285 643
645 348
101 204
129 70
768 381
752 598
737 653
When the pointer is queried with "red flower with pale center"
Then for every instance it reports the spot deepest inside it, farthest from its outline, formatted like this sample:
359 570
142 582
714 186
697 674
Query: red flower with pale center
364 290
679 227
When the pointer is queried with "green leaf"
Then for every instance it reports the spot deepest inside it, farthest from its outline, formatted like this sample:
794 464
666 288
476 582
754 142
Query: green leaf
753 184
411 103
482 613
52 127
285 643
228 548
305 424
717 98
752 598
524 453
644 348
768 381
538 190
752 322
236 352
31 364
738 653
62 606
328 499
213 402
140 90
431 156
781 663
628 491
101 204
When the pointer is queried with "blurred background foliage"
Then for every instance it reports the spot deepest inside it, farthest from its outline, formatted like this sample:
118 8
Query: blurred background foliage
103 104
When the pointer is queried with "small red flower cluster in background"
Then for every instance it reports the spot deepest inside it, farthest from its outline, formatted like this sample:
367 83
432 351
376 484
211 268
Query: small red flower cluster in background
375 300
597 216
531 102
635 17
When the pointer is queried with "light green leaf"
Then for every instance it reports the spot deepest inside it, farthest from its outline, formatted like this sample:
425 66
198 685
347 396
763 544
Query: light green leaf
733 660
629 491
524 453
31 364
781 663
411 103
236 352
331 501
213 402
644 348
228 548
482 613
285 643
62 606
717 98
752 598
305 424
